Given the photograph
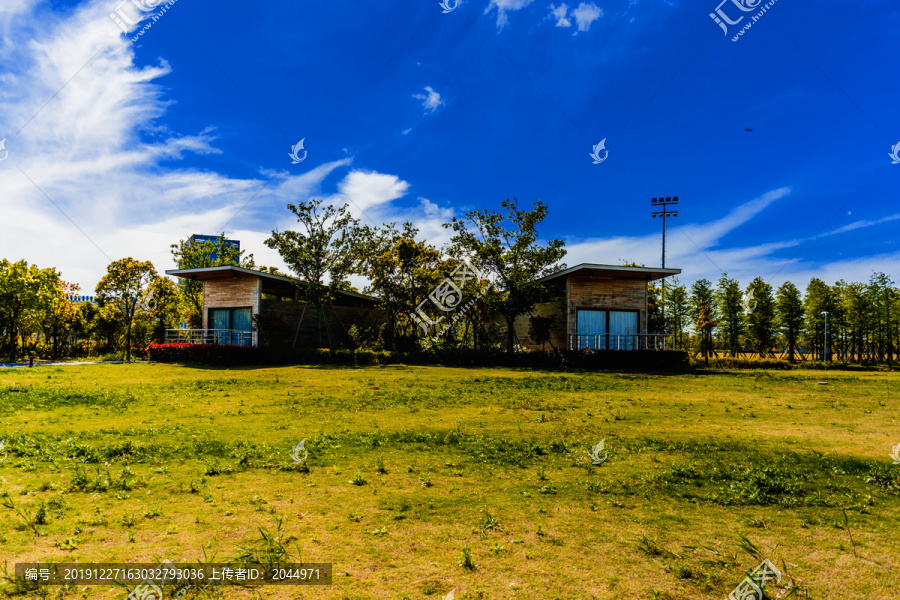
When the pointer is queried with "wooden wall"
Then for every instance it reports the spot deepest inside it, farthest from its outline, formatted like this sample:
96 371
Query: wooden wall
599 293
233 292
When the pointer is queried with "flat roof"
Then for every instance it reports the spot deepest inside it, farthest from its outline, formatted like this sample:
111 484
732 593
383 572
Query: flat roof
212 273
614 272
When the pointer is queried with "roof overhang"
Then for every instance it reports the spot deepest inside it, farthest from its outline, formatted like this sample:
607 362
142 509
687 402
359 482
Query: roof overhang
272 284
612 272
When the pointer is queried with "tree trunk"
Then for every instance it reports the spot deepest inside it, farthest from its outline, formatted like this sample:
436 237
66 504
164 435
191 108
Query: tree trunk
510 335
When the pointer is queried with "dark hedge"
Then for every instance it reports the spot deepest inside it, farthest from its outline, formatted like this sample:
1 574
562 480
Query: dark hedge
215 355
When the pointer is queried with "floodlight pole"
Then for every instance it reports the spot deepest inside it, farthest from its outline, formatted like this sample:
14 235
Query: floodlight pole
825 351
665 203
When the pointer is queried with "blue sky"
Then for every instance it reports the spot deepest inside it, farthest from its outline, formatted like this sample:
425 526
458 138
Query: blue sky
120 147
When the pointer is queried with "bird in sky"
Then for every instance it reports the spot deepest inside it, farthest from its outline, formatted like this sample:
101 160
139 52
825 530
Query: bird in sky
748 129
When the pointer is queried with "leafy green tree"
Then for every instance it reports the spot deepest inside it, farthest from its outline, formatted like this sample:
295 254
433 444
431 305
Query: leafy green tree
884 297
819 298
789 316
60 321
731 312
507 247
677 309
403 271
327 245
27 296
703 312
858 310
165 310
761 317
200 255
123 289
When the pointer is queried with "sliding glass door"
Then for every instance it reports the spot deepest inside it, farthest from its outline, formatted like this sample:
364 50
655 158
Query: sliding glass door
232 326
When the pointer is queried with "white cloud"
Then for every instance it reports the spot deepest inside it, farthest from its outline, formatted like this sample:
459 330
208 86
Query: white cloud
586 14
430 101
503 6
559 13
88 150
365 190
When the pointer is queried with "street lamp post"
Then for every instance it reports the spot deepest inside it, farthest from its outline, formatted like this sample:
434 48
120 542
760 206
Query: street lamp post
825 351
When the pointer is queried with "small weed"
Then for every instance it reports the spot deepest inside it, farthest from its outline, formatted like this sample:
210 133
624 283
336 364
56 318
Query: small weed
425 480
379 466
488 521
465 559
358 479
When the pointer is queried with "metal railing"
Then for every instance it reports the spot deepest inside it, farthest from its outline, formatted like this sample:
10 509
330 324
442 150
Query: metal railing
621 341
224 337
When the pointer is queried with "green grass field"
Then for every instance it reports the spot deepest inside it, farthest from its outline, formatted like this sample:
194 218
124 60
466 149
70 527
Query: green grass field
423 480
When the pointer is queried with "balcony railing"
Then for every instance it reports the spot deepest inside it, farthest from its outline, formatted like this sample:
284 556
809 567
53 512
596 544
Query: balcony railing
224 337
621 341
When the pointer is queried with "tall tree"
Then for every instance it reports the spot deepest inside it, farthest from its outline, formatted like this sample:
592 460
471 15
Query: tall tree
760 317
819 298
677 309
731 311
507 247
703 313
62 317
123 288
327 245
883 295
789 315
403 271
190 254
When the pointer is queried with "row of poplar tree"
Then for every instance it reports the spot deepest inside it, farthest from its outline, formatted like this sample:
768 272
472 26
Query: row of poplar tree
863 319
